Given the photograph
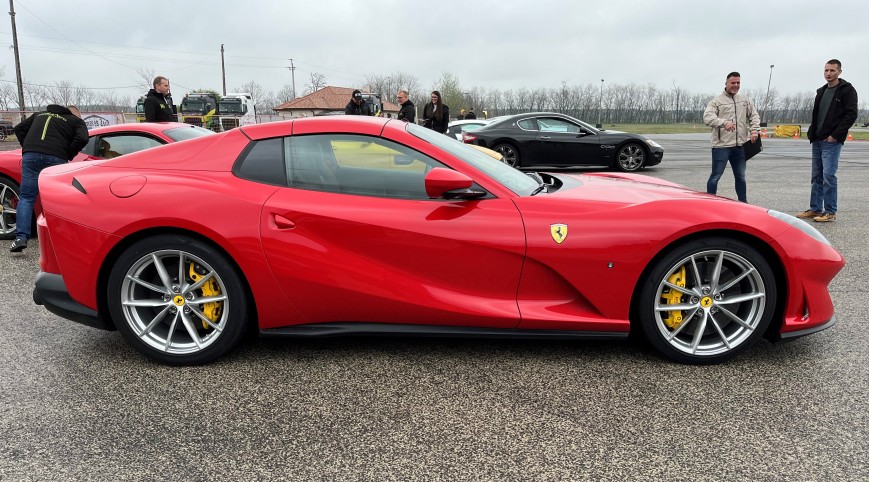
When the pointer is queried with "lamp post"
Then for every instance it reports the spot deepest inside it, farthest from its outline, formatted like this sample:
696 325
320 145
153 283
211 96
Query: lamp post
600 105
766 102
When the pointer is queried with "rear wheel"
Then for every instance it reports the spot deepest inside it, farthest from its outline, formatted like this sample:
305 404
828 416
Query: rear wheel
707 301
510 153
177 300
8 207
631 157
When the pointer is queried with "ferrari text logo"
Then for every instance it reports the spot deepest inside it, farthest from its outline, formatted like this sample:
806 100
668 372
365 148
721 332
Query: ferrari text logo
558 232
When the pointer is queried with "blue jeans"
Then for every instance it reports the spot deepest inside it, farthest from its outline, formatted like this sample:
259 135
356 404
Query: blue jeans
720 156
825 186
32 163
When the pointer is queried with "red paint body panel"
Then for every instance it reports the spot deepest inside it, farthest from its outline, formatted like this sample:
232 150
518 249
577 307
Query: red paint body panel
315 257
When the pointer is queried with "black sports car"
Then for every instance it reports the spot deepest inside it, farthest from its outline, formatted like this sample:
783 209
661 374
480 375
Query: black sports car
558 140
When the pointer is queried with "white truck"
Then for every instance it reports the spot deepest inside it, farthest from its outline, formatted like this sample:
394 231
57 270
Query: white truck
236 109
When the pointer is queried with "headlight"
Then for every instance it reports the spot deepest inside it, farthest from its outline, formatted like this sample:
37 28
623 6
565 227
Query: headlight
652 143
799 224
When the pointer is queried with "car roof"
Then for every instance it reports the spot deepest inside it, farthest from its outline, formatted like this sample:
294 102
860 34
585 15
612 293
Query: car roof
146 127
470 121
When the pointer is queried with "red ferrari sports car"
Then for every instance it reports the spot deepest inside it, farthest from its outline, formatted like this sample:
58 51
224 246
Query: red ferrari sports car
105 142
348 225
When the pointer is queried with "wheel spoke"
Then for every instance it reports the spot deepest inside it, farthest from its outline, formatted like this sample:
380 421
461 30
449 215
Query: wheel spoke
735 318
191 330
684 291
733 282
677 307
155 321
150 286
685 323
161 270
208 299
698 333
741 298
198 284
168 342
205 319
720 332
147 303
716 270
182 279
697 279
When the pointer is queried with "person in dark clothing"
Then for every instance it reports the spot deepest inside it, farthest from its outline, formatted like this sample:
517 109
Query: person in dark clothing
436 115
834 113
461 115
158 102
357 105
470 114
407 113
47 138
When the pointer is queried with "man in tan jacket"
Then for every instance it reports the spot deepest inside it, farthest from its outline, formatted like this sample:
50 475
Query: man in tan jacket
734 121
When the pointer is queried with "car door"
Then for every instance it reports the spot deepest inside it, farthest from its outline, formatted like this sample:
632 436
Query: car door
564 143
355 239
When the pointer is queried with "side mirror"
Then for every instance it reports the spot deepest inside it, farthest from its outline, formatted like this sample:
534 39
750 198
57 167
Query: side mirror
449 184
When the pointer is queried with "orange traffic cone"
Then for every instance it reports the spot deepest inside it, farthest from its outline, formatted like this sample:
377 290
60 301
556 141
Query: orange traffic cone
849 136
763 135
797 135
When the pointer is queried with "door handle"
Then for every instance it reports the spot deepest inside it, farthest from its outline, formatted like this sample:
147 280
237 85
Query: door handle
544 137
282 222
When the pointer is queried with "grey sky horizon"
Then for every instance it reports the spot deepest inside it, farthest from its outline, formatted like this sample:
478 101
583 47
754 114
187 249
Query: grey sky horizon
502 45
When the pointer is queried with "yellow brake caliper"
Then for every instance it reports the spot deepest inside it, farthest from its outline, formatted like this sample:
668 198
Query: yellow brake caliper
212 311
673 297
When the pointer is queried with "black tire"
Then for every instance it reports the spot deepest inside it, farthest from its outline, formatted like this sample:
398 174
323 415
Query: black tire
630 157
510 153
9 191
705 329
150 309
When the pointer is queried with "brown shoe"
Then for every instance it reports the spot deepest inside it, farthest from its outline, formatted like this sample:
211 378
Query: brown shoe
824 218
808 214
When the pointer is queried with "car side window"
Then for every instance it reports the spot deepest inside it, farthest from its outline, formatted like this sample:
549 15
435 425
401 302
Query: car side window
91 147
263 161
549 124
361 165
113 146
528 124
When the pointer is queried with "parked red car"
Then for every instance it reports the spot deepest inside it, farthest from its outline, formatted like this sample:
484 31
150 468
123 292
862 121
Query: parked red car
348 225
105 142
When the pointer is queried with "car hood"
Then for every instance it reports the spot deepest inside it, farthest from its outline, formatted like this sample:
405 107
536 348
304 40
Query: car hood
614 188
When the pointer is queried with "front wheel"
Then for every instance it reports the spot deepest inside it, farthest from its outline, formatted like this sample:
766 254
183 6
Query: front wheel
177 300
630 158
707 301
8 207
510 154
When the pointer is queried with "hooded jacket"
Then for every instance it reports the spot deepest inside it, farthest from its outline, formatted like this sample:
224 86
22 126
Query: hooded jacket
407 113
55 132
158 108
840 117
735 108
354 109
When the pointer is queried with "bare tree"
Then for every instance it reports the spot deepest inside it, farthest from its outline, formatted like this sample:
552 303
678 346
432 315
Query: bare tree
285 94
316 82
146 78
254 89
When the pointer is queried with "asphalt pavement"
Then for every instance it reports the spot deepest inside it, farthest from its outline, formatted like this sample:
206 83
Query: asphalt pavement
77 403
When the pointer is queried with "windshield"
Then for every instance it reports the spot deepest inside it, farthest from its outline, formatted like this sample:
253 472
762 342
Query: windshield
513 179
231 107
192 106
184 133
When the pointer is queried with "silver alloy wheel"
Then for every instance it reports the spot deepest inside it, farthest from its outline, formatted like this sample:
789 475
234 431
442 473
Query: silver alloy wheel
8 209
631 157
709 303
511 157
174 302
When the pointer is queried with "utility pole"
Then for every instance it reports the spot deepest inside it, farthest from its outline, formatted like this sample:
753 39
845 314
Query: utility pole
766 102
223 70
292 71
17 61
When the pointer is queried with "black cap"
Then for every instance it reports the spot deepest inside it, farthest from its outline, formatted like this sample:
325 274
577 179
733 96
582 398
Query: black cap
357 94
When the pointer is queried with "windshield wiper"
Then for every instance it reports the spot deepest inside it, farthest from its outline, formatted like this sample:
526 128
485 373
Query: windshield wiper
541 185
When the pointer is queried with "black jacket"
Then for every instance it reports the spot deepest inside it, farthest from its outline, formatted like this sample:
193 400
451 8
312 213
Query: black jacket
432 122
471 115
158 108
840 117
54 131
361 109
407 113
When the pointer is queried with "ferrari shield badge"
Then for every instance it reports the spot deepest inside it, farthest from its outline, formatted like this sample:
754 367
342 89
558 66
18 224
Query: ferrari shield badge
558 232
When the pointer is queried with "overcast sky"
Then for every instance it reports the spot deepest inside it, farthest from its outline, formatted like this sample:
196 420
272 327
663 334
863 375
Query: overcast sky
502 44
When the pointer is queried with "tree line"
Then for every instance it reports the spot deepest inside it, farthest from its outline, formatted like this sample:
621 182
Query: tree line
610 103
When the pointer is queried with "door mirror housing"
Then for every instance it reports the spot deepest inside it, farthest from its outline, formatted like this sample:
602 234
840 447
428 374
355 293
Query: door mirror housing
443 183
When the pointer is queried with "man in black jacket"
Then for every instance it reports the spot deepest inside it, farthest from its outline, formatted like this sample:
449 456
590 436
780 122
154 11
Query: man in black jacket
407 113
158 102
834 113
357 105
47 139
